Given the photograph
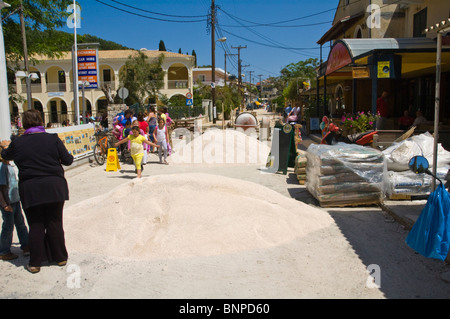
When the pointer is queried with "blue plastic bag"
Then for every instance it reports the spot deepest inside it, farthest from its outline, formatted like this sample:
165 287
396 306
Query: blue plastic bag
430 234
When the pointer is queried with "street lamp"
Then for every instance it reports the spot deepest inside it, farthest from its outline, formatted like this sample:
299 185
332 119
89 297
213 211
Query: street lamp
5 118
28 77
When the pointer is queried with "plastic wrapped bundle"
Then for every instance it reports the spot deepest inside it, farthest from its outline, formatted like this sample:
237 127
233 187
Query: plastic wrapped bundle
409 183
398 154
345 174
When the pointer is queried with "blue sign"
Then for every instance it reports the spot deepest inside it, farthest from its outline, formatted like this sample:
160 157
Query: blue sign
189 102
88 67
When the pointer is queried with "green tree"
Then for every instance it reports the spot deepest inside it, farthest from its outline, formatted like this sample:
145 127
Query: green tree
195 57
162 46
42 18
142 78
304 69
104 44
294 74
227 99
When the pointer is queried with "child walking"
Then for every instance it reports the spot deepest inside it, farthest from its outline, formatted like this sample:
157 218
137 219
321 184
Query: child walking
11 213
161 136
137 147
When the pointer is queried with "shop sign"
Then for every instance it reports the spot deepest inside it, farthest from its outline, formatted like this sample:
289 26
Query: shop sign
339 57
384 69
361 72
88 67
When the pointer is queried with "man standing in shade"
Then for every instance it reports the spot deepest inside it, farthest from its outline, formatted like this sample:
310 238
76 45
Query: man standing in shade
382 111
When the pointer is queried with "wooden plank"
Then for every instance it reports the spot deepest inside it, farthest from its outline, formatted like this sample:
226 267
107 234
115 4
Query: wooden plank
399 197
353 204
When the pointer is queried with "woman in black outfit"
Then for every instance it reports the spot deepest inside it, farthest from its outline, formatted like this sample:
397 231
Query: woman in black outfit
42 188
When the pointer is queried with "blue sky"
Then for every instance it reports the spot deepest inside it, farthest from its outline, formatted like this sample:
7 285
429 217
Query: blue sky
276 33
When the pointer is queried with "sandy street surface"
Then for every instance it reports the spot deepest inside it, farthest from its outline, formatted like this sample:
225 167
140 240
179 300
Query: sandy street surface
220 231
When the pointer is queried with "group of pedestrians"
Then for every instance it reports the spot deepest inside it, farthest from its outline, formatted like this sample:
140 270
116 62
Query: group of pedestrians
146 132
41 191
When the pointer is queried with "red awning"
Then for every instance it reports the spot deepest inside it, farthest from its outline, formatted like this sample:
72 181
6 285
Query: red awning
338 58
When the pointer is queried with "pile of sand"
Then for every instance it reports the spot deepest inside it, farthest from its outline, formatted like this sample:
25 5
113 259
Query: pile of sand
184 215
221 147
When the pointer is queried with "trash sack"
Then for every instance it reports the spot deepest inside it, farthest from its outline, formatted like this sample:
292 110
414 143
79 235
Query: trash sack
430 234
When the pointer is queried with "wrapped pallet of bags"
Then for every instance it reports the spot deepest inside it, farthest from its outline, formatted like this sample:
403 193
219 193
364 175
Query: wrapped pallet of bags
403 185
300 166
398 154
345 174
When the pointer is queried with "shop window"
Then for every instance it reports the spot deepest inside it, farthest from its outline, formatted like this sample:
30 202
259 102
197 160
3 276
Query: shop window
53 112
63 107
61 77
420 24
106 75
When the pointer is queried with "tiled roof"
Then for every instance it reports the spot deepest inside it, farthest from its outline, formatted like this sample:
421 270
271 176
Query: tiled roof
117 54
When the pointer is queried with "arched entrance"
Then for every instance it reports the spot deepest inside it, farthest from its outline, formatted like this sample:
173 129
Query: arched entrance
57 110
178 76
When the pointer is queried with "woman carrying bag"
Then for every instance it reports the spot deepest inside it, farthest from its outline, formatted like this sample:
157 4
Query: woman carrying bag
43 188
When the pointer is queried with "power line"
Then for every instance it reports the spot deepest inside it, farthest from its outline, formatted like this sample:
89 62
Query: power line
157 13
270 45
277 24
147 17
273 43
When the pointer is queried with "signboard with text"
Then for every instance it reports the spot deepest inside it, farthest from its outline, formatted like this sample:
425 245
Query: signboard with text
88 67
360 72
384 69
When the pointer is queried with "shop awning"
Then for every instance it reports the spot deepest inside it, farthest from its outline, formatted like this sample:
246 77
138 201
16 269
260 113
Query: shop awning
417 53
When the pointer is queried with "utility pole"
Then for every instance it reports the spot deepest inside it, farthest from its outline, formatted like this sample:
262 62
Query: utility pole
250 72
213 59
226 66
25 58
260 86
240 69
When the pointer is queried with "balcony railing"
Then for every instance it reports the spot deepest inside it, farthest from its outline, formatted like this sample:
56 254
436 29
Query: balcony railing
56 87
178 84
35 87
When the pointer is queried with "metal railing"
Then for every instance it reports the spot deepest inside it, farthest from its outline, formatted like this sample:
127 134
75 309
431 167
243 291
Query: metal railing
56 87
177 84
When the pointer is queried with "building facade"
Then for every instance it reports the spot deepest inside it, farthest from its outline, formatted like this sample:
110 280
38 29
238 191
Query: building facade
53 92
204 76
371 34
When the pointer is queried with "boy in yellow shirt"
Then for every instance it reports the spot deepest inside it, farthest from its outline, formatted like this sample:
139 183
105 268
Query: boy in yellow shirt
137 149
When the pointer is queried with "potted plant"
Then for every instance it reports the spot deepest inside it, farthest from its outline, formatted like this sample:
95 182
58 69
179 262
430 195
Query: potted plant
359 123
